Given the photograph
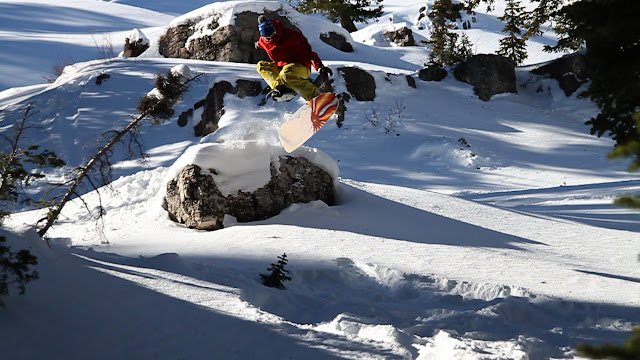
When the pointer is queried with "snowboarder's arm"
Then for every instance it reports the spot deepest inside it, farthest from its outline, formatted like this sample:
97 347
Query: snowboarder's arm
303 46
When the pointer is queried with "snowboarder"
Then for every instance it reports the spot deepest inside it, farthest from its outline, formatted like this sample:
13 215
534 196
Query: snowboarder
292 57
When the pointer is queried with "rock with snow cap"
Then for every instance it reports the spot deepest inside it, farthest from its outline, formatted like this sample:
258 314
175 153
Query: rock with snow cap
135 44
247 180
232 43
401 36
571 71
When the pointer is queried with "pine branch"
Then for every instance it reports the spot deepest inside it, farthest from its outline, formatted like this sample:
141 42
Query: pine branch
172 89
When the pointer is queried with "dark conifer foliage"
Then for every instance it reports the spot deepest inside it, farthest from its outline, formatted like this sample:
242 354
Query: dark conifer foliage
348 12
514 45
14 269
612 36
630 350
447 47
278 274
19 165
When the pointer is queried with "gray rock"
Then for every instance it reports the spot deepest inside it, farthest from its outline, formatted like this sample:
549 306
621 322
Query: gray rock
402 36
337 41
432 73
571 71
411 81
172 42
193 198
232 43
489 74
214 102
359 83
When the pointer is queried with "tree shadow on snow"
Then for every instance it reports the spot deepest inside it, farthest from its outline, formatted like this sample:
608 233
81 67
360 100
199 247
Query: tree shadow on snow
576 204
348 294
107 310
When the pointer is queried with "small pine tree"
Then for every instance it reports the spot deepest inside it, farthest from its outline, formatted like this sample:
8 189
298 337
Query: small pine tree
278 274
629 351
347 12
513 45
446 49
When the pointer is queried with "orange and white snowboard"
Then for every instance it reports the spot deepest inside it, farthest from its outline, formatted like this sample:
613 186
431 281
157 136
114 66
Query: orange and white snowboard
305 122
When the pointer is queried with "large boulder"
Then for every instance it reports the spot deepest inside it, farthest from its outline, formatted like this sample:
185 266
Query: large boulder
193 198
359 83
337 41
214 102
489 74
571 71
231 43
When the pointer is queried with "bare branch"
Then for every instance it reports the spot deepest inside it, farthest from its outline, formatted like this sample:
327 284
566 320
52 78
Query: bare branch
171 87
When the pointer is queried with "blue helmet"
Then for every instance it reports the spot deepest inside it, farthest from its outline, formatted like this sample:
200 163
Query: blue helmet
265 26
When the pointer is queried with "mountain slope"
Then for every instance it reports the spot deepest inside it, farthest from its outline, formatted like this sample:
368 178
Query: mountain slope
508 248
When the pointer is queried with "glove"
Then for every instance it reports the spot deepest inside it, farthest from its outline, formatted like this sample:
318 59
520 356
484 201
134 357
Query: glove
325 71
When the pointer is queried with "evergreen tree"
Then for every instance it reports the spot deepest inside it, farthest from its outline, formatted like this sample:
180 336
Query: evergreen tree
629 351
348 12
447 47
514 45
545 11
278 274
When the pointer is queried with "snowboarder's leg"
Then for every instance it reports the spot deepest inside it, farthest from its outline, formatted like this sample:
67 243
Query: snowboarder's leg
270 72
296 77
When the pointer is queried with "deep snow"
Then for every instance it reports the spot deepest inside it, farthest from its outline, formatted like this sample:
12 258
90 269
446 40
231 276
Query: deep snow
508 248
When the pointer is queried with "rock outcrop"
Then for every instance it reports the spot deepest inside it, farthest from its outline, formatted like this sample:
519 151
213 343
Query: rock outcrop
571 71
214 102
401 37
194 199
337 41
231 43
432 73
489 74
360 84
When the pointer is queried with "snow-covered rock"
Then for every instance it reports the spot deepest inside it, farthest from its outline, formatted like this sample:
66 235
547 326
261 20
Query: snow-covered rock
248 180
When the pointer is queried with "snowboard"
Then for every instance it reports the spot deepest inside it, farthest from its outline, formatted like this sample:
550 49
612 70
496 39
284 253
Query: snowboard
305 122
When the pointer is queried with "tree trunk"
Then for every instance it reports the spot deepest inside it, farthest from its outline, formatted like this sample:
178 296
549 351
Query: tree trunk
347 23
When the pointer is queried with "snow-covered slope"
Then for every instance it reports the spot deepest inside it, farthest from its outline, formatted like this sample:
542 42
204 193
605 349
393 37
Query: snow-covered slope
464 229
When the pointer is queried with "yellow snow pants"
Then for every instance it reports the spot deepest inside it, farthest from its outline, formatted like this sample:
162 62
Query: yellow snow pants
294 76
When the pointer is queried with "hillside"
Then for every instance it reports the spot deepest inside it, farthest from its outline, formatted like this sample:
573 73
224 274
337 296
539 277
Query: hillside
508 248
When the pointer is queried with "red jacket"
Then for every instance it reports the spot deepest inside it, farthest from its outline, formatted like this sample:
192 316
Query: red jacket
290 46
